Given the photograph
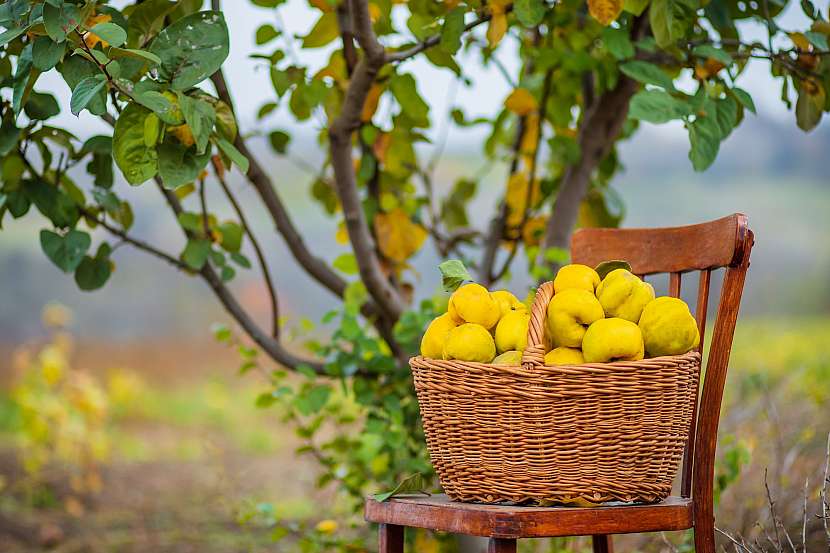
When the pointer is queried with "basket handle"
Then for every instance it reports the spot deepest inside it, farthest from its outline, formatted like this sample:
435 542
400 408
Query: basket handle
534 353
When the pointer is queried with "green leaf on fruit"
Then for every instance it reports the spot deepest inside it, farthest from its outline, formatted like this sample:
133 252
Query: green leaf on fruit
607 266
453 274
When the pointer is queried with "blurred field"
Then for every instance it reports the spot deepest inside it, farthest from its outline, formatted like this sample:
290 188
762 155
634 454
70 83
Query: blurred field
189 456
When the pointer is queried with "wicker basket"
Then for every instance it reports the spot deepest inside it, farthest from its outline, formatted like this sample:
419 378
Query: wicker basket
595 432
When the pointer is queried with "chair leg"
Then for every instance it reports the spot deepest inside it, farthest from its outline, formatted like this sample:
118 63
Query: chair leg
705 536
390 538
499 545
603 543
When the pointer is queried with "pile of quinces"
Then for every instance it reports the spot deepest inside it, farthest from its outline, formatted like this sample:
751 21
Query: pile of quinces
589 320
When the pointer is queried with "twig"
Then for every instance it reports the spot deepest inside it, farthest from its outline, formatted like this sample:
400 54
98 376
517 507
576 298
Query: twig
266 274
825 502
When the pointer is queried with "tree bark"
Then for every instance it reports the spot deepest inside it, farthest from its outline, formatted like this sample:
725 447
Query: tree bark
601 125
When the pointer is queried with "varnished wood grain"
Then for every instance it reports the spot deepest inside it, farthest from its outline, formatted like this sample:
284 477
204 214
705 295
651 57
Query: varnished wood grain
674 285
663 250
390 538
438 512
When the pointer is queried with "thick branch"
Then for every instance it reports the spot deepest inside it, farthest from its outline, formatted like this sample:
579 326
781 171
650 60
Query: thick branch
340 143
600 127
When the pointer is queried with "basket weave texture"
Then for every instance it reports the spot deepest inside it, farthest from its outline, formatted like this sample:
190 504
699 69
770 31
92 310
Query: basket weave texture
538 434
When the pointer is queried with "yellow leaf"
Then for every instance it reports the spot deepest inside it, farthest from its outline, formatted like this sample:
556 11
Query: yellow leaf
497 28
521 102
605 11
800 41
342 236
381 146
398 237
183 134
91 39
336 69
370 105
517 196
530 138
374 12
708 68
534 230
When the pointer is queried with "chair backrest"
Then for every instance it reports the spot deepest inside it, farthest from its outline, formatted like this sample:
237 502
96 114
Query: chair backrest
724 243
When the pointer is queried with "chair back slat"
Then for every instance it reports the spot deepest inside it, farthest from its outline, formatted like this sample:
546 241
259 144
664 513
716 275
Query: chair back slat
723 243
674 285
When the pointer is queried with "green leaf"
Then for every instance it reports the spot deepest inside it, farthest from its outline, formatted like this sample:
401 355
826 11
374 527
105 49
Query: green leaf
647 73
200 117
10 34
46 53
635 6
41 106
529 12
144 55
452 30
84 92
9 134
453 274
704 144
74 69
709 51
93 272
817 39
146 20
231 236
60 21
137 162
313 399
179 165
235 155
266 33
411 484
241 260
166 110
657 106
617 43
727 115
191 49
323 32
810 105
607 266
195 253
661 17
111 33
346 263
65 251
23 81
52 203
279 141
413 106
744 98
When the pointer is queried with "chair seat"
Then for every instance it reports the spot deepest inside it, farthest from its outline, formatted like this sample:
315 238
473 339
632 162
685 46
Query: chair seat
438 512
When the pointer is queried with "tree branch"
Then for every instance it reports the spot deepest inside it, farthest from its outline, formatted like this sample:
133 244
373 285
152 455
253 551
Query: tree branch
601 124
263 265
429 42
341 129
268 344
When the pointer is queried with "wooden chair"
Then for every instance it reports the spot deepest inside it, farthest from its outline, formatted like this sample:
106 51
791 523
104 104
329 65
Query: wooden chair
724 243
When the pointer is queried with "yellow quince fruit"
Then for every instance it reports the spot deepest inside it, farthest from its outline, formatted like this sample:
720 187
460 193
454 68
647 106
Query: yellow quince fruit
575 276
507 302
511 332
668 327
612 339
511 357
570 312
432 344
622 294
472 303
470 342
564 356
